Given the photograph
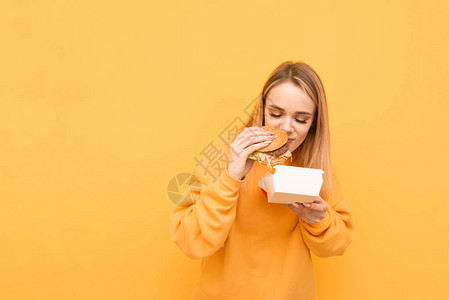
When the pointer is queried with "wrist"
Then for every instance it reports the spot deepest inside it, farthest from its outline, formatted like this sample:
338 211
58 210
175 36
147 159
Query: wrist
234 175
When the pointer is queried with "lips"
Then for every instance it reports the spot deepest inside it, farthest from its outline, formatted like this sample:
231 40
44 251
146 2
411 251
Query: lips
290 140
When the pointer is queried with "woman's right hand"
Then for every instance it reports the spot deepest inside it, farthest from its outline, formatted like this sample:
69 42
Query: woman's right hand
249 140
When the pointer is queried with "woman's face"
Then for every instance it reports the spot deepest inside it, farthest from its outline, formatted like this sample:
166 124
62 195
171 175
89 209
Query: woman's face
289 108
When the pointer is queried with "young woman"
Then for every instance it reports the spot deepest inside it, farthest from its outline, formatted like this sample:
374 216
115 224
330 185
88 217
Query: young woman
252 249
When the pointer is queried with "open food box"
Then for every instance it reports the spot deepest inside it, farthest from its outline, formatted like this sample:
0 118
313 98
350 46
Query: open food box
291 184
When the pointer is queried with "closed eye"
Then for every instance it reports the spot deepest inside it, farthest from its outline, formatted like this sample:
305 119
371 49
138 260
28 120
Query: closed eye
278 116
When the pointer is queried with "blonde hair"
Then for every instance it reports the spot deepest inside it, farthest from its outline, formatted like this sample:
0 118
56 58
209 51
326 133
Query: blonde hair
314 152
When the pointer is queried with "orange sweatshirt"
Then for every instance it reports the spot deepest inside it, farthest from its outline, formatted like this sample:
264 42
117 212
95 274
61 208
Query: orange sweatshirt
253 249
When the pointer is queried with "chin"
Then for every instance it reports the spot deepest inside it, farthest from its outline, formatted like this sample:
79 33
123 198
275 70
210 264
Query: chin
292 148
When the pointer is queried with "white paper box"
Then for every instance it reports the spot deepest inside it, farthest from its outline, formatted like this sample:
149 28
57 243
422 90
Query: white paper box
292 184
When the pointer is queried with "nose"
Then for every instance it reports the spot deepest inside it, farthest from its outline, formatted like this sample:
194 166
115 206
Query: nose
287 125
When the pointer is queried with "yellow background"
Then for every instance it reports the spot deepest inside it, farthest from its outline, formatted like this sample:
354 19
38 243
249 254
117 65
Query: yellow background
103 102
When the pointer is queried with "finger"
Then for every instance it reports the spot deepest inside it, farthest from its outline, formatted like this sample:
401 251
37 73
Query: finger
243 143
319 200
311 205
314 206
318 206
266 130
296 205
246 132
258 128
254 147
317 203
255 131
250 135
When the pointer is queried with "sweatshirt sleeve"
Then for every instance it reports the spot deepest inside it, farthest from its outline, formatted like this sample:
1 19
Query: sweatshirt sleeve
332 236
201 227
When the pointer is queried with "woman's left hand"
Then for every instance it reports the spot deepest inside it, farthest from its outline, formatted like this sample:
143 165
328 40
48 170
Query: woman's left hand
312 212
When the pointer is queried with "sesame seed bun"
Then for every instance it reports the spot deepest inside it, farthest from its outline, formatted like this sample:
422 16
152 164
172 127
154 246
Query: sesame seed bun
280 138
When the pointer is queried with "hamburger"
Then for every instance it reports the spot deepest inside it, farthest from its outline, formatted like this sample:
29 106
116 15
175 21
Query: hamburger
276 153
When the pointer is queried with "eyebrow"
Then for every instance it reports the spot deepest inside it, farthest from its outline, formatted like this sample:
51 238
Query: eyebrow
296 113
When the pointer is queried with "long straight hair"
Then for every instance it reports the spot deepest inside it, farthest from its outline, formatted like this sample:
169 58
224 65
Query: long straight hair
315 150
